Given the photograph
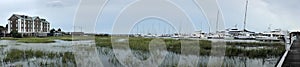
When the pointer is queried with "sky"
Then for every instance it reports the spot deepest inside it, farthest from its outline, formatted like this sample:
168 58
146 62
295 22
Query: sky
283 14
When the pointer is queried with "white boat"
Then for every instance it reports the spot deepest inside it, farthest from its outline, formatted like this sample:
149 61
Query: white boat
267 37
150 35
216 36
197 34
176 35
245 36
275 35
240 34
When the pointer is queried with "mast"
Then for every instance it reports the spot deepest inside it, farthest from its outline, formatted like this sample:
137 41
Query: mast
217 22
180 28
137 29
269 28
245 17
152 29
148 32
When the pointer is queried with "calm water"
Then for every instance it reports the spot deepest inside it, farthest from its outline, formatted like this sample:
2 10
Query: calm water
108 58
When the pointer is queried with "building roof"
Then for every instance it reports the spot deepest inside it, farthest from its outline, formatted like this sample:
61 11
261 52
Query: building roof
35 17
23 17
30 18
44 20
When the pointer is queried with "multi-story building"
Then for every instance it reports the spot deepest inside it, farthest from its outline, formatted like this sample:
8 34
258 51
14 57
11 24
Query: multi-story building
27 24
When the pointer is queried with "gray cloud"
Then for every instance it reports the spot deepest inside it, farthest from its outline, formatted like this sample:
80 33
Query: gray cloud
287 10
280 13
56 3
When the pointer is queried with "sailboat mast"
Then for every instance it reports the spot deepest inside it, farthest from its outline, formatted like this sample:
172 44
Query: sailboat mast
245 17
217 22
180 28
137 29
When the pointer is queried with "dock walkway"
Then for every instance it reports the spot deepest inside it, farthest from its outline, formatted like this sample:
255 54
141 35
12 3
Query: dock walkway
292 58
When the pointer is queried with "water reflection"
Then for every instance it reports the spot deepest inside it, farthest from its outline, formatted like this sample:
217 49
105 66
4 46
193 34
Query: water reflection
129 58
171 59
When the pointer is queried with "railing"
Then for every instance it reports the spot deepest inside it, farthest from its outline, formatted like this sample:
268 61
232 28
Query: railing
281 61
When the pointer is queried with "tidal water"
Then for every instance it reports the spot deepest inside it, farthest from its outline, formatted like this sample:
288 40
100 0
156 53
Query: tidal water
85 54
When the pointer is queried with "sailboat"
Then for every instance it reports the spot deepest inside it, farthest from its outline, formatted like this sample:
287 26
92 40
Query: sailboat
245 34
179 34
217 35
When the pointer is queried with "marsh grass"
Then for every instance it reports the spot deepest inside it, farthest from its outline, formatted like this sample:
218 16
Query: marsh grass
49 39
30 39
70 38
174 45
254 53
8 38
36 40
3 45
17 55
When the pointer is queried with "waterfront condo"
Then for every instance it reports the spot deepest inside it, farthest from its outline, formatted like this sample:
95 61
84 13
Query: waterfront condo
28 25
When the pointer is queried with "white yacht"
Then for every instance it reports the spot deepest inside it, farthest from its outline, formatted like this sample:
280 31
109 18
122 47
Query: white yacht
240 34
275 35
217 35
176 35
245 34
197 34
149 35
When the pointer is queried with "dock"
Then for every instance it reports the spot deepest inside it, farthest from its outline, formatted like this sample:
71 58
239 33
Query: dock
291 57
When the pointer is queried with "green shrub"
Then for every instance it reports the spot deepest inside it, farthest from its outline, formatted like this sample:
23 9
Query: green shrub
15 34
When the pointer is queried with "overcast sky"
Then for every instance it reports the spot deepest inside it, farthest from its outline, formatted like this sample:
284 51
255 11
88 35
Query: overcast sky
284 14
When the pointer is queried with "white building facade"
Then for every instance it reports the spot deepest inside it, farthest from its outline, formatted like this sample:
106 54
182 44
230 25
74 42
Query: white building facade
27 24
